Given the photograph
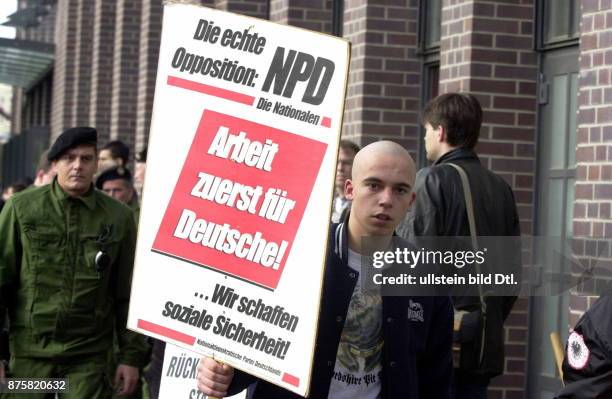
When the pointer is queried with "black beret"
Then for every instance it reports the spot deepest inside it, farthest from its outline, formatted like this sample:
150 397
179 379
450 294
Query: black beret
71 138
113 174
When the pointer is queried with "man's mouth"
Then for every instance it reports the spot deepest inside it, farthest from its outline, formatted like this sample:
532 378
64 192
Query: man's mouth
382 217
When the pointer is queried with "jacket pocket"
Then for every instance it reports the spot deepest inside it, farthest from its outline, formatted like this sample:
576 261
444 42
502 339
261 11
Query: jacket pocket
90 297
44 279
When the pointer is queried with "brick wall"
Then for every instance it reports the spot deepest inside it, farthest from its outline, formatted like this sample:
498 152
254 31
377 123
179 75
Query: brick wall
486 49
125 70
62 106
592 222
309 14
103 47
384 78
82 63
150 36
253 8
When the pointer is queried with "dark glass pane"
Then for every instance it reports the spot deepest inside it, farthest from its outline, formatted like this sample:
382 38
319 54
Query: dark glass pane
575 28
432 23
561 20
434 81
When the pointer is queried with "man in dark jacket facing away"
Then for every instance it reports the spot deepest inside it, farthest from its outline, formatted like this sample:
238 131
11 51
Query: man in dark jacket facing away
402 344
452 122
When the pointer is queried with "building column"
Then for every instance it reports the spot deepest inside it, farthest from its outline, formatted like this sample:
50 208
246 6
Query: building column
592 222
102 67
486 49
64 75
308 14
83 64
384 77
125 69
252 8
150 37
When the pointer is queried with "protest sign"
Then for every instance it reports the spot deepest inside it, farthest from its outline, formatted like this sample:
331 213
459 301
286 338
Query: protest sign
237 198
178 379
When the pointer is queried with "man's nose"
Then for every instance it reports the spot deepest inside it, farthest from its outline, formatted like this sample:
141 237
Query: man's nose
385 197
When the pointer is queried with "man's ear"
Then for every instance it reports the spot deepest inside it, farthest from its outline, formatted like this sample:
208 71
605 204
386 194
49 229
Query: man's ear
441 134
412 198
348 189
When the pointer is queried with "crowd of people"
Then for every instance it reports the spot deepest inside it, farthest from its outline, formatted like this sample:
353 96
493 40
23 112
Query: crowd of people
68 241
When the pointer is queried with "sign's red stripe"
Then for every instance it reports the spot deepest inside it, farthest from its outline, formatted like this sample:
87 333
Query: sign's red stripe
166 332
211 90
291 379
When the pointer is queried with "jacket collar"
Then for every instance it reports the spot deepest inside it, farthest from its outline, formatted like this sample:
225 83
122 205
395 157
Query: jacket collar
341 239
458 154
88 199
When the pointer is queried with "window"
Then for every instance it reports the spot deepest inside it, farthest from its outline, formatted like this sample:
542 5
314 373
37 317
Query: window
429 25
337 17
558 23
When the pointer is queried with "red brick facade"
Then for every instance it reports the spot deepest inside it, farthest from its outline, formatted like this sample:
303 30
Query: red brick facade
102 67
125 70
150 35
592 222
82 63
62 103
486 49
383 89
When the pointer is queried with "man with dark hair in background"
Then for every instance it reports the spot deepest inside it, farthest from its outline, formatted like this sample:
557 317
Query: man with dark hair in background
139 171
14 188
114 154
346 155
452 122
44 172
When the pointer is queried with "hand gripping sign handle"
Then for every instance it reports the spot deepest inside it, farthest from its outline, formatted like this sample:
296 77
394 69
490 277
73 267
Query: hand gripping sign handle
214 397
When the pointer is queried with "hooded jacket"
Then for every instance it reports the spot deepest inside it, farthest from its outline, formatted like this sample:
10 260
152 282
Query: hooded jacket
417 356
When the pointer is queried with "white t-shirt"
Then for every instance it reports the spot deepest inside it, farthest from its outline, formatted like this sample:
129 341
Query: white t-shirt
359 359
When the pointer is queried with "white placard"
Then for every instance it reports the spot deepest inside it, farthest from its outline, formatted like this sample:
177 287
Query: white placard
241 162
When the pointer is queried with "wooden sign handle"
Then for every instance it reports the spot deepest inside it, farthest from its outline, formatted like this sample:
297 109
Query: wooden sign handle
557 346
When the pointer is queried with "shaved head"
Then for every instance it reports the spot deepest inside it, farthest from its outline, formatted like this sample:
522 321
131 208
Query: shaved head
380 189
379 149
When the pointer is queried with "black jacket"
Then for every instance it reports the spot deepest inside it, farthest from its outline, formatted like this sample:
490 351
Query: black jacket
439 210
587 365
417 358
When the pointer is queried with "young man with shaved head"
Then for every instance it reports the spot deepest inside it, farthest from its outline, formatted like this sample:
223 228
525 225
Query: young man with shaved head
368 345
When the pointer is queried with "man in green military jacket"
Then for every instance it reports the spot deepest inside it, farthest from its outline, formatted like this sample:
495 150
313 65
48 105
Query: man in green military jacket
65 275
